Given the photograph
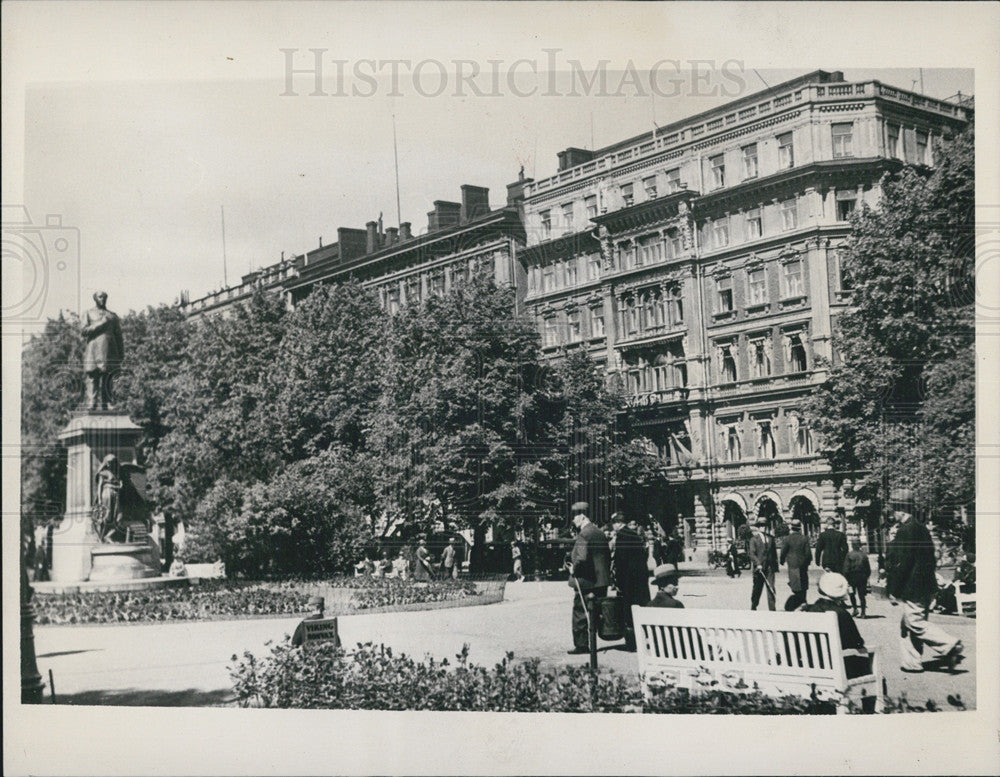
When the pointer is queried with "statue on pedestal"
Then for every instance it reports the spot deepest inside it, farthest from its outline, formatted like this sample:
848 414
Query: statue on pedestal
104 351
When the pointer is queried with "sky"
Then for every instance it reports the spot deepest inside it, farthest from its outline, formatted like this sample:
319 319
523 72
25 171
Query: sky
139 166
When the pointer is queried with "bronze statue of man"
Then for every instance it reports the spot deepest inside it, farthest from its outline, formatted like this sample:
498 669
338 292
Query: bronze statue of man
104 351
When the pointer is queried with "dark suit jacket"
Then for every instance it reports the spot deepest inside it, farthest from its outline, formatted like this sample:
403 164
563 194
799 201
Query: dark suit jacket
850 637
910 564
663 599
857 568
831 549
796 553
631 574
591 558
763 553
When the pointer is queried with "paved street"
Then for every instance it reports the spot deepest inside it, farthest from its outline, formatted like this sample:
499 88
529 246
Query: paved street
186 663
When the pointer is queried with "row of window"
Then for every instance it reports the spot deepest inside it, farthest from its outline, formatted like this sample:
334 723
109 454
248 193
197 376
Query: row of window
565 274
580 323
909 144
755 223
419 286
736 446
651 310
650 373
760 357
792 286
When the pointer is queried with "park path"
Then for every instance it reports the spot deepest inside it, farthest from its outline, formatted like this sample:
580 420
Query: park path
186 664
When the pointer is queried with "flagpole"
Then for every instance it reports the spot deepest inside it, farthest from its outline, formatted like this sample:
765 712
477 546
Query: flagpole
395 156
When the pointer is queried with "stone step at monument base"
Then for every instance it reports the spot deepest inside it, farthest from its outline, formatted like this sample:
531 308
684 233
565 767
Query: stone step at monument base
48 588
122 561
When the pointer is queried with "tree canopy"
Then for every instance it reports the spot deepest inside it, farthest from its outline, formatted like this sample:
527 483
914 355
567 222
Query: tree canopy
899 406
286 439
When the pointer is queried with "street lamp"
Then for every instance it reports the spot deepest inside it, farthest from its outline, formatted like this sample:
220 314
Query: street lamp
31 680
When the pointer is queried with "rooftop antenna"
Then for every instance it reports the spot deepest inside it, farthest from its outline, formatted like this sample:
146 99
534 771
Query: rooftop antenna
395 156
225 277
921 81
592 146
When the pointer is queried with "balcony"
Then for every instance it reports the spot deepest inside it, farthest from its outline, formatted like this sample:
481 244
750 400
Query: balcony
662 397
649 336
770 383
770 468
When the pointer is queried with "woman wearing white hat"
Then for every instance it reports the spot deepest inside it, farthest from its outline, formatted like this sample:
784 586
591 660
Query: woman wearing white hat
833 590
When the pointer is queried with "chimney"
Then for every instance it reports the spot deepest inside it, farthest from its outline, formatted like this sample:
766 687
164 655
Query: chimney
371 244
352 242
475 202
445 214
391 236
515 191
404 231
572 157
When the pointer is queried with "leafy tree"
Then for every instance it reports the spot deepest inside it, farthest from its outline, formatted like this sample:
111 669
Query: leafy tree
51 386
218 412
325 376
899 406
455 402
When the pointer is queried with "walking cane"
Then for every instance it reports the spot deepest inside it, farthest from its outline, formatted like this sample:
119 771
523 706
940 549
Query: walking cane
591 633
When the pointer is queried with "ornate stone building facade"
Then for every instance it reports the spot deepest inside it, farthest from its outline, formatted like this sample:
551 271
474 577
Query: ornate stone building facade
699 264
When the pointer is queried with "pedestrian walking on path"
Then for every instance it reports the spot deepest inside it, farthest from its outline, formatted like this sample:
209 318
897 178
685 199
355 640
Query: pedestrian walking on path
831 548
796 553
631 575
911 585
763 564
590 573
516 556
857 570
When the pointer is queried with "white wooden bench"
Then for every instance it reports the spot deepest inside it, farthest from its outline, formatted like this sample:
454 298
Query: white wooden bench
776 653
963 600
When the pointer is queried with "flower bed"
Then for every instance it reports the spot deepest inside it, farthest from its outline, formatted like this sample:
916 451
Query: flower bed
223 599
373 678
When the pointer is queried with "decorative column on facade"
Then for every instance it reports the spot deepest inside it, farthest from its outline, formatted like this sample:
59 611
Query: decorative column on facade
817 253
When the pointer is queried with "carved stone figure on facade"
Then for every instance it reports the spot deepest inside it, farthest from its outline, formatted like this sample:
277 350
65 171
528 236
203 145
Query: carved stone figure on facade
103 353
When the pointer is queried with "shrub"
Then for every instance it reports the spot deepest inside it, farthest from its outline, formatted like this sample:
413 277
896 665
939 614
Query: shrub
374 678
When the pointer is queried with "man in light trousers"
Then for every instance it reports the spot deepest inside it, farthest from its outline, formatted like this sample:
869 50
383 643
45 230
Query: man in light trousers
912 586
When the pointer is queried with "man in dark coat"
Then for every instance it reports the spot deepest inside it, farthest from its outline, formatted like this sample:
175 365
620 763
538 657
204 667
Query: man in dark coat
763 564
833 589
630 572
796 553
831 548
590 572
912 585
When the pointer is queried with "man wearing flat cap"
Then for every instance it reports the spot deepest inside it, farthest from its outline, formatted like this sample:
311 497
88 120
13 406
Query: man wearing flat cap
590 572
763 563
796 553
911 584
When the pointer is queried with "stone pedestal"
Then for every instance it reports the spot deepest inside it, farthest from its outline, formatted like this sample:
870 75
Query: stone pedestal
89 437
123 561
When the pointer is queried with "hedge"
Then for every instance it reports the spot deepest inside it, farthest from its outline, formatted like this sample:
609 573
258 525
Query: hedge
221 599
374 678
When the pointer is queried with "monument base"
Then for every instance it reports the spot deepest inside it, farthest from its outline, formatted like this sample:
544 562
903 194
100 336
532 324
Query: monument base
123 561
